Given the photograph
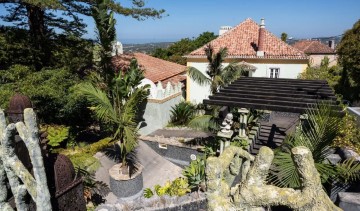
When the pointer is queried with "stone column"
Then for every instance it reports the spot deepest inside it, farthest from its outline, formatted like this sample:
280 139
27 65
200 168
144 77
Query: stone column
224 139
243 121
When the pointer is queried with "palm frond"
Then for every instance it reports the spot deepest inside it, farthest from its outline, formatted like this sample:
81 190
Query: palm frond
198 76
103 108
284 173
231 72
349 170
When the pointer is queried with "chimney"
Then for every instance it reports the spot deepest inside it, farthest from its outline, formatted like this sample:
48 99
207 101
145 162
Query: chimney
224 29
331 44
261 44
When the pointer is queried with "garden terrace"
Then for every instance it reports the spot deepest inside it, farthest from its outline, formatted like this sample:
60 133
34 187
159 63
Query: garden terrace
285 95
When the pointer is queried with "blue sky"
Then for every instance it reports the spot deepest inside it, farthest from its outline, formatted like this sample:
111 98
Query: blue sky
189 18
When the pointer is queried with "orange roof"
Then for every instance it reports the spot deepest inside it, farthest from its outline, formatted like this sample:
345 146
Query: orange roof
242 40
155 69
313 47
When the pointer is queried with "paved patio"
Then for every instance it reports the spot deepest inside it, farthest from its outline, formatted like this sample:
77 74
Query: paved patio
157 170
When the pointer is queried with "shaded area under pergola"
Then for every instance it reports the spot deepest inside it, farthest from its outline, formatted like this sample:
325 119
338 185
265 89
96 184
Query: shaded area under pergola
285 95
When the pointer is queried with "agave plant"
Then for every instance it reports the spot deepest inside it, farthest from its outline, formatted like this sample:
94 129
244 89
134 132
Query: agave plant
317 135
120 109
217 75
195 173
182 113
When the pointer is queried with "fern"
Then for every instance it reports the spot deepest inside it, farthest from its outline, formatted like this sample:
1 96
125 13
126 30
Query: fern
148 193
56 134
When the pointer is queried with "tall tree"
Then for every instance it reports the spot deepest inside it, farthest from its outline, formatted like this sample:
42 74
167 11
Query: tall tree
217 75
349 52
182 47
42 18
284 36
105 24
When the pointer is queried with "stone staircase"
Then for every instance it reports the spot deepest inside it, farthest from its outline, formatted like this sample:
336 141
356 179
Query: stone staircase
268 135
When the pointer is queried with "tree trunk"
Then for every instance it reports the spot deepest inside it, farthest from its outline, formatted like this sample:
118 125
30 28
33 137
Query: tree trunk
38 34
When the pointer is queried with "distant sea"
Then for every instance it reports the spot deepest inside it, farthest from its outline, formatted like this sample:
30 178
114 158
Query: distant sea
144 41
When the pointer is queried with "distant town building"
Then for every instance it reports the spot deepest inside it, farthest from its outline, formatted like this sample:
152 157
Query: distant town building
117 48
262 52
317 51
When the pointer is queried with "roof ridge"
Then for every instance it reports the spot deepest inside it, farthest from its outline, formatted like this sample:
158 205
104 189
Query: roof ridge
284 43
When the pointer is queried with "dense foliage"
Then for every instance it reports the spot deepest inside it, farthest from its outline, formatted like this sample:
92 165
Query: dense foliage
49 91
349 52
180 48
317 133
349 58
120 109
44 18
182 113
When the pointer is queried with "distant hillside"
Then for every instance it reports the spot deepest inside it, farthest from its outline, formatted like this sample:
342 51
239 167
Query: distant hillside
145 48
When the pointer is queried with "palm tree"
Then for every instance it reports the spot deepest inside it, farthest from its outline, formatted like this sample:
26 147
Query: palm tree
120 110
217 75
318 135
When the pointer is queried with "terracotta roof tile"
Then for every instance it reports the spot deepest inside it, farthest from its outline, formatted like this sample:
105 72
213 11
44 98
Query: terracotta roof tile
241 42
155 69
313 47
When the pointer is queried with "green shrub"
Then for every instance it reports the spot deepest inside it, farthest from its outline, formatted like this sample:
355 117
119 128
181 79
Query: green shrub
177 187
195 173
50 91
55 134
240 142
182 113
85 161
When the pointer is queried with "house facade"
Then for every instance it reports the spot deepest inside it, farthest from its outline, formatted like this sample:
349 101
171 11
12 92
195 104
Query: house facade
166 80
317 51
252 45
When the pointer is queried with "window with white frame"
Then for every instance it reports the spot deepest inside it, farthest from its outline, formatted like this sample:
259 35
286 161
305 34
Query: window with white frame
274 72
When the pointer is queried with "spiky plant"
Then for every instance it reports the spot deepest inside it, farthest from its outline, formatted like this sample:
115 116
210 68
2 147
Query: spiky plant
182 113
120 110
317 135
217 75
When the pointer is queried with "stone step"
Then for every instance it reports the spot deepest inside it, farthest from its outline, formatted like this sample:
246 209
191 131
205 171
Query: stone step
275 135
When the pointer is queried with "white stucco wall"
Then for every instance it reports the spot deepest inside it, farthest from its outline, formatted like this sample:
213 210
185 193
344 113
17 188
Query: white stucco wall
196 93
315 60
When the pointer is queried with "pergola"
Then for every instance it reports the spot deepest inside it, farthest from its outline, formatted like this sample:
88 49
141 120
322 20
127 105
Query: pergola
284 95
274 94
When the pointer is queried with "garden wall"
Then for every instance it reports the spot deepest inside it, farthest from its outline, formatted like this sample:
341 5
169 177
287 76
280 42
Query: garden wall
157 109
176 153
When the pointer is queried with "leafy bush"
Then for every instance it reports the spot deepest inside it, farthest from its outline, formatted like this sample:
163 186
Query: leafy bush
178 187
195 173
349 134
240 142
55 134
85 161
182 113
50 92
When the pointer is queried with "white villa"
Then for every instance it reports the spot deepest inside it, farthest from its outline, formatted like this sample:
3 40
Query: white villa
254 46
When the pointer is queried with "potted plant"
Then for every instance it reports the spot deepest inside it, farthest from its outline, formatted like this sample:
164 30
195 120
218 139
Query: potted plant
118 108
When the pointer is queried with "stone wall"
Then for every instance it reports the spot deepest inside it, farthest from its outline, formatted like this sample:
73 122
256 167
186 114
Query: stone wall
190 202
179 155
157 109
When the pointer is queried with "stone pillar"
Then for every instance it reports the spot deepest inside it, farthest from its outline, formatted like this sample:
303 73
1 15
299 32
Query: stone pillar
224 139
243 122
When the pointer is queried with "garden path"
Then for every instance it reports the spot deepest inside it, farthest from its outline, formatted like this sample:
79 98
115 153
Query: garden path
157 170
